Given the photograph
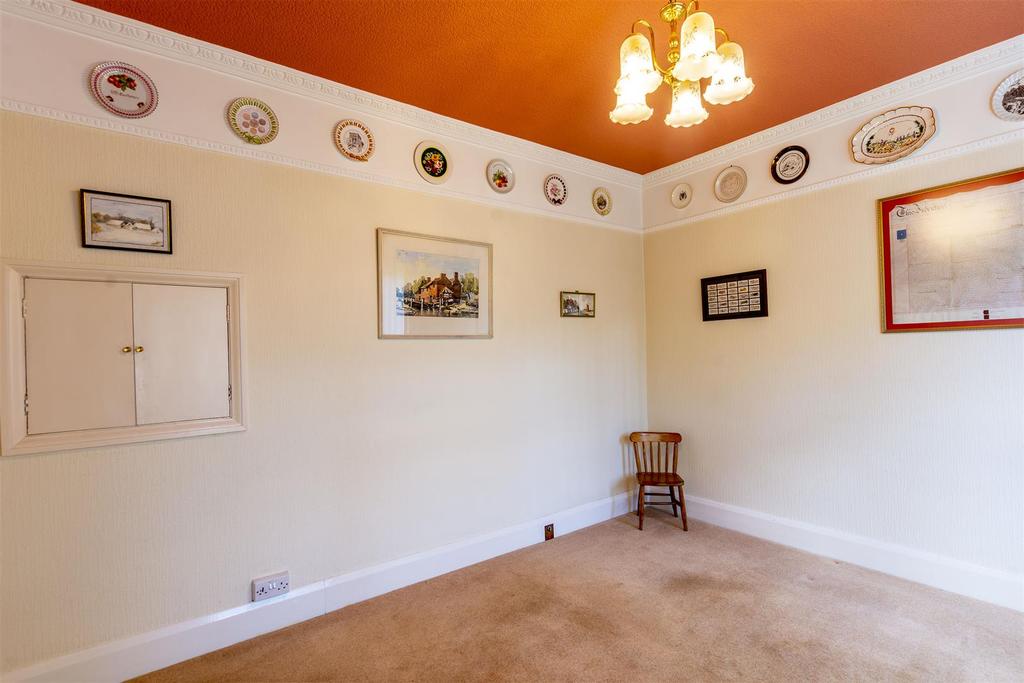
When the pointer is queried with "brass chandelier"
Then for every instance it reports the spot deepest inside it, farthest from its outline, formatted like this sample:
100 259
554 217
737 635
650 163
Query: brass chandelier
692 56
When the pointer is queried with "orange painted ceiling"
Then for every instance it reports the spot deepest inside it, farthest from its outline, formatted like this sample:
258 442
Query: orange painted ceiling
543 70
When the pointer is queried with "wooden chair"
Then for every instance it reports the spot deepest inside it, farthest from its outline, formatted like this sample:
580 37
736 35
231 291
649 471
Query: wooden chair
657 462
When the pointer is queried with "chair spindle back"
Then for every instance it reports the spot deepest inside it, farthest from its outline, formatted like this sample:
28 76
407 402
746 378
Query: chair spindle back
656 451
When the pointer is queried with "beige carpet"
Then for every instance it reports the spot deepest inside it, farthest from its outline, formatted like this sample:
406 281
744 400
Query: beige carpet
611 603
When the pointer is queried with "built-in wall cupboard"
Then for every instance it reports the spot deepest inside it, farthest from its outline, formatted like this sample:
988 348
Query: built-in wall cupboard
96 357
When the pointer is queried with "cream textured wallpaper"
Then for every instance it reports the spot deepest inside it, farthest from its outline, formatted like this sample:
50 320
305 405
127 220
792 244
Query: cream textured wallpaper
359 451
814 415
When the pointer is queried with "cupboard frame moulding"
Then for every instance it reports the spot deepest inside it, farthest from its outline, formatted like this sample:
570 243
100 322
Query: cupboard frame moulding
14 437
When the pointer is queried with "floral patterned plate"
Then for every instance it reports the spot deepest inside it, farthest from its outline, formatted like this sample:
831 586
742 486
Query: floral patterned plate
123 89
500 176
601 200
555 190
252 120
432 162
354 140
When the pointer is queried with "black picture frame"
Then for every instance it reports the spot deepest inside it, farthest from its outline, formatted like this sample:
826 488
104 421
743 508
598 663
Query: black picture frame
86 196
741 285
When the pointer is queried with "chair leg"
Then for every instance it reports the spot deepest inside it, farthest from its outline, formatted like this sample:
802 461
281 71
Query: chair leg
641 507
672 499
637 511
682 506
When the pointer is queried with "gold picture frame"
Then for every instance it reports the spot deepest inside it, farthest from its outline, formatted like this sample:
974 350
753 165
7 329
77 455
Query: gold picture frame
433 287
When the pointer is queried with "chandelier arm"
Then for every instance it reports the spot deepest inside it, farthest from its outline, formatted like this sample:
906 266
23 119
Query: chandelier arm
724 34
692 4
654 50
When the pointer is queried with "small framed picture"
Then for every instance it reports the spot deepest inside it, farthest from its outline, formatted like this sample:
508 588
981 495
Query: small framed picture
125 221
733 296
577 304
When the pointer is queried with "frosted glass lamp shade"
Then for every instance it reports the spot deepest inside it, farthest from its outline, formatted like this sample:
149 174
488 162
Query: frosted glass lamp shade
687 109
636 63
697 55
630 103
729 83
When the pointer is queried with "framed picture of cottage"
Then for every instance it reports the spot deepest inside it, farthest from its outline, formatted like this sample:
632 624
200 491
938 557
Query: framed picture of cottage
577 304
432 287
125 221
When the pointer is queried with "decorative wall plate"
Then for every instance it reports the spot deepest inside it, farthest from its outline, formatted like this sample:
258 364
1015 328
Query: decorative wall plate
1008 99
500 176
123 89
681 195
730 184
432 162
790 164
252 120
893 135
601 200
555 190
354 140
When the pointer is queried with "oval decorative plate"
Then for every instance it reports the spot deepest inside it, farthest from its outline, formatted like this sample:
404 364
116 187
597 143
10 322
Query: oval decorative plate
790 164
252 120
893 135
354 140
730 184
681 195
500 176
432 163
123 89
555 190
1008 99
601 201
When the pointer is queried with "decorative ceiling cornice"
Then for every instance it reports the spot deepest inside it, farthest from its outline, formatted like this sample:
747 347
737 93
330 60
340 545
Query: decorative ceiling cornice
106 26
1007 53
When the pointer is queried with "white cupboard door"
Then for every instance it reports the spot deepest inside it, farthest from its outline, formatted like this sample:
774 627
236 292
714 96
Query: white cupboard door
78 374
181 353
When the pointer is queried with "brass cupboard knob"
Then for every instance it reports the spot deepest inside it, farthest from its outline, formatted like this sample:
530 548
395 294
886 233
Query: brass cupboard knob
139 349
126 349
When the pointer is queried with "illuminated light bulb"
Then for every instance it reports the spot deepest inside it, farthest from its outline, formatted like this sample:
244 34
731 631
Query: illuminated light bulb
729 83
630 103
697 55
687 109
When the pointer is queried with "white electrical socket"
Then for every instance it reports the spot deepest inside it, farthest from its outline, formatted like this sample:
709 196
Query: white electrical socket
270 586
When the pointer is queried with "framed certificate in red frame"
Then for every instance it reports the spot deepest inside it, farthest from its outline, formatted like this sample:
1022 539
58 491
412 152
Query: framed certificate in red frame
951 257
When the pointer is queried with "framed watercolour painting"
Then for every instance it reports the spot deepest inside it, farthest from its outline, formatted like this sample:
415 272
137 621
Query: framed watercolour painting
125 221
432 287
952 257
577 304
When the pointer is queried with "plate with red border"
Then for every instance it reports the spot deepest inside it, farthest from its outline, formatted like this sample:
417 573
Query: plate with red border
123 89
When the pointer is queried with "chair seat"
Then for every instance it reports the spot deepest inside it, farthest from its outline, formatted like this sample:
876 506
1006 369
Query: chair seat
658 479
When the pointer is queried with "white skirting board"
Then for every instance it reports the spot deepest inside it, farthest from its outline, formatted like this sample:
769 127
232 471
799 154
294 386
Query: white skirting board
147 652
991 585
